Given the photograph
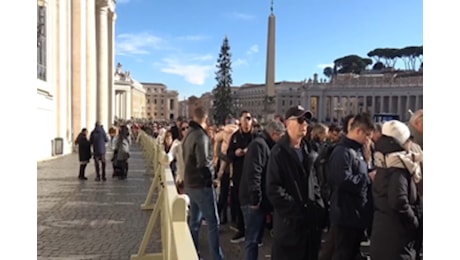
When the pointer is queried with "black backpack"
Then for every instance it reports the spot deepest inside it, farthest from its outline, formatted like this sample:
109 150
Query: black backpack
323 171
321 165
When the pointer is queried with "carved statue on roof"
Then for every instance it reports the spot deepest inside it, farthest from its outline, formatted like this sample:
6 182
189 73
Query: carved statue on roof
118 70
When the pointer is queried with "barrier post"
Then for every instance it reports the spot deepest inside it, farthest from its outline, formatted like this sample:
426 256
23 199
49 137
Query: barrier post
176 239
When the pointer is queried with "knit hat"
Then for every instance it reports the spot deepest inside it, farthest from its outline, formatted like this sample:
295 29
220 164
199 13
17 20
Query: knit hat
396 129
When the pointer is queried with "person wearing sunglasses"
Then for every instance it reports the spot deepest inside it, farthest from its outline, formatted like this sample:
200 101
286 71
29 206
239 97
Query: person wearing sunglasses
236 152
175 156
293 190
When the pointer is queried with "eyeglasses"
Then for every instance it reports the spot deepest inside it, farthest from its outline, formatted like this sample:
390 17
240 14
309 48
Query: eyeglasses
184 128
300 120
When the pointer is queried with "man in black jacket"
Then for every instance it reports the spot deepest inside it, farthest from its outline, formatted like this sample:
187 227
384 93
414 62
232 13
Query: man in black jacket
350 179
253 199
293 190
198 182
236 153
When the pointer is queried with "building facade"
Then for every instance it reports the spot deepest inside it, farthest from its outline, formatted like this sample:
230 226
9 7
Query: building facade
75 52
130 96
373 92
183 109
162 104
330 101
252 97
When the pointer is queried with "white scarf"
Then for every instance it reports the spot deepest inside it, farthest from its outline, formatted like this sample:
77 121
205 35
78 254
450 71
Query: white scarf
405 160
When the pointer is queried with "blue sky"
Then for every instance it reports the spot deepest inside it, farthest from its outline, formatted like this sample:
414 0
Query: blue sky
177 42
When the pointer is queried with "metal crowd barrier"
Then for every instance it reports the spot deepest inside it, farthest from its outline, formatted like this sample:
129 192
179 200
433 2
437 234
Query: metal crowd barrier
170 207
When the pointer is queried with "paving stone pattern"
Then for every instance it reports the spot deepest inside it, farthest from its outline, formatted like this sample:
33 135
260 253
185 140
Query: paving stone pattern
88 219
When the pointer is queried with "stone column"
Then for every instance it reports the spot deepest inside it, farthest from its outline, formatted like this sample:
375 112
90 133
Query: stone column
76 64
129 107
390 104
365 103
117 104
90 63
322 105
110 64
407 105
373 105
102 59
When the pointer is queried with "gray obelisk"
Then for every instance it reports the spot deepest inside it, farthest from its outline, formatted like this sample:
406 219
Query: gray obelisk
270 100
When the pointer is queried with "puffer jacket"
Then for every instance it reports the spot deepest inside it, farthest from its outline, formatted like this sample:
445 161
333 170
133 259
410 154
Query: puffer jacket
397 212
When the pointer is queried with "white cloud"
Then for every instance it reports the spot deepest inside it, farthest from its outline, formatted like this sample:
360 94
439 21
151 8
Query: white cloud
192 37
206 57
324 65
239 62
241 16
134 44
193 73
253 49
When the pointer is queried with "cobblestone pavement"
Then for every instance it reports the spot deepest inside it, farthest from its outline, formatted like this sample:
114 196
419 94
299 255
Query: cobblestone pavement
88 219
85 220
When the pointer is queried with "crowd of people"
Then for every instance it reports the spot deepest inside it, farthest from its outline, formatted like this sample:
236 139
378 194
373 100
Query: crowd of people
359 182
321 190
94 145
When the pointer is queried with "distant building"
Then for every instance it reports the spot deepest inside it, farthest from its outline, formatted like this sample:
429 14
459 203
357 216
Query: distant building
161 103
130 96
183 109
374 92
392 92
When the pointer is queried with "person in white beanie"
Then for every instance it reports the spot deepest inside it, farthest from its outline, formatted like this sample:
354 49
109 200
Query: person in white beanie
397 210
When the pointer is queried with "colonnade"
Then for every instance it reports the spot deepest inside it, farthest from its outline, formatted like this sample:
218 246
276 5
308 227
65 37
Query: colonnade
92 50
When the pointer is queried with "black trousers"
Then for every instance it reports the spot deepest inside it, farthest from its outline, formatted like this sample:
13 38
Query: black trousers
236 206
99 159
306 248
327 248
82 170
347 242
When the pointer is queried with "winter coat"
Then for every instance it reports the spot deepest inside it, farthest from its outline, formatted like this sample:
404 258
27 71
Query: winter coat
98 140
293 191
197 155
252 185
397 212
84 148
350 185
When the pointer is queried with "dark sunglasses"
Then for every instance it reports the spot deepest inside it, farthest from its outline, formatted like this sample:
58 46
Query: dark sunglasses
184 128
300 120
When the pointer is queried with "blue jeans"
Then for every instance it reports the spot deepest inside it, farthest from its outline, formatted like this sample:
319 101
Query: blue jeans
203 204
254 221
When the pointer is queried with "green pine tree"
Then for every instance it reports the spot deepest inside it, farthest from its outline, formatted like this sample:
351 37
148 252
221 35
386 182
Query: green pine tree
222 106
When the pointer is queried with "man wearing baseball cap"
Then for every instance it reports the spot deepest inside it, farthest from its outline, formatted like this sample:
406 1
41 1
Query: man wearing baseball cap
294 192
